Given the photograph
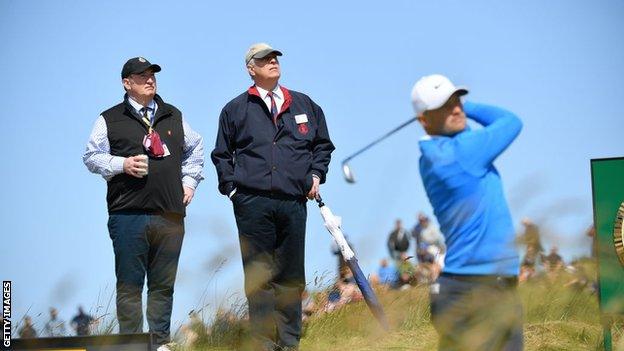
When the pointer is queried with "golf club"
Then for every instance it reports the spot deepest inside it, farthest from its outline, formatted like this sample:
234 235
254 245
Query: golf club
346 170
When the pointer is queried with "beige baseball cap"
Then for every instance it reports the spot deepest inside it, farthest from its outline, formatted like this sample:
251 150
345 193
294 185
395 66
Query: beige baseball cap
431 92
260 50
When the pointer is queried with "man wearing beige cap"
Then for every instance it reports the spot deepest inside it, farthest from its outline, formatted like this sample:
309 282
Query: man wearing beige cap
272 151
474 303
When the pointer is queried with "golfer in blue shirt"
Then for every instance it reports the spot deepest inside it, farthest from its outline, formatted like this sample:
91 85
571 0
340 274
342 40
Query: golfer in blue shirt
474 303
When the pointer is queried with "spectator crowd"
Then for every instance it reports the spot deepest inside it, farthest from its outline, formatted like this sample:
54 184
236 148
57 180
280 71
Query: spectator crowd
82 324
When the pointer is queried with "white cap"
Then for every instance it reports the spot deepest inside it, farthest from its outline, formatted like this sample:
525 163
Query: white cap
431 92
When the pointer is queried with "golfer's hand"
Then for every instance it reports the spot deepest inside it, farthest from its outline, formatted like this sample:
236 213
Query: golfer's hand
133 166
315 188
188 195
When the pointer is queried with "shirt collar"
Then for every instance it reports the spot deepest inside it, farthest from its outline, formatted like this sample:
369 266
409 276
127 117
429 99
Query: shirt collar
277 92
152 105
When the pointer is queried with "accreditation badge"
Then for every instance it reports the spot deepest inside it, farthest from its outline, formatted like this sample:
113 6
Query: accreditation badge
302 123
302 118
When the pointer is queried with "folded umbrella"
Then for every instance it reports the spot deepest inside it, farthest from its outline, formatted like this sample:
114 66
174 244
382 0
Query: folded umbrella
333 224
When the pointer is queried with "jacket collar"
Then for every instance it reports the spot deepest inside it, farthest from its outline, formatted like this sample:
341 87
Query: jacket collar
287 97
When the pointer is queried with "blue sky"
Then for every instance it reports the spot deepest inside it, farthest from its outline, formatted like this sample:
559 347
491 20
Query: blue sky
556 64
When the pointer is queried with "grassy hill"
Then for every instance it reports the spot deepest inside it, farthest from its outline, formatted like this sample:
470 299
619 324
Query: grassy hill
556 318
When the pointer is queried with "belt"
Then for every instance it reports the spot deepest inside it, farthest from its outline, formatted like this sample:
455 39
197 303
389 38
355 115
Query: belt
269 194
177 217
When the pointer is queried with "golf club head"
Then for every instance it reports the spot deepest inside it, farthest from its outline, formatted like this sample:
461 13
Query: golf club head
348 173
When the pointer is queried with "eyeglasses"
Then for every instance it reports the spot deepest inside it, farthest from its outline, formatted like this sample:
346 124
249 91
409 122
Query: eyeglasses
266 59
143 76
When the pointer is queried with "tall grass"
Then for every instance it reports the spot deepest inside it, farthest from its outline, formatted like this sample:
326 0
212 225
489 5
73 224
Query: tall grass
556 318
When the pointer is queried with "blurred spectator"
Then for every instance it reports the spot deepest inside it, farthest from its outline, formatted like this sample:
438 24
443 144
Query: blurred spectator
425 273
407 272
333 299
349 291
553 262
398 241
308 307
82 323
430 250
343 269
27 330
388 275
343 292
530 258
591 232
531 239
580 278
527 267
526 272
54 326
429 240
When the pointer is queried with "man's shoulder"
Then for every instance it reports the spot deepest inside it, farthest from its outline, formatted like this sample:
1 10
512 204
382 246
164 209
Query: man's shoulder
166 106
299 96
120 107
237 101
438 147
175 112
303 102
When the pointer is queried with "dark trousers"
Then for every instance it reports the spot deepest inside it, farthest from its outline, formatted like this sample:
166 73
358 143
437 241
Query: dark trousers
477 313
145 245
271 232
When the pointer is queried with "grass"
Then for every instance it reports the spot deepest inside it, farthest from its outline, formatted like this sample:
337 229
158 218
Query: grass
556 318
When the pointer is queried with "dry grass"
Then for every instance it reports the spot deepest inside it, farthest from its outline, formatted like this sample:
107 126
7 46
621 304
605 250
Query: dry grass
556 318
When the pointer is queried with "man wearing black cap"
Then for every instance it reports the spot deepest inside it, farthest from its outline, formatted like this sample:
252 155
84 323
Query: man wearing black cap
152 161
272 151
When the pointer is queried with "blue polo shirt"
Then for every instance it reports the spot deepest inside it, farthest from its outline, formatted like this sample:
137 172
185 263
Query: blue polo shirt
466 193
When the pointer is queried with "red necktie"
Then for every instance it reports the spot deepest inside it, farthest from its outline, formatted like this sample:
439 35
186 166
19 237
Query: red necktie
273 106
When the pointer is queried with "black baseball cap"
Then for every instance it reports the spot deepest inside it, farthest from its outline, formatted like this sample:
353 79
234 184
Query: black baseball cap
137 65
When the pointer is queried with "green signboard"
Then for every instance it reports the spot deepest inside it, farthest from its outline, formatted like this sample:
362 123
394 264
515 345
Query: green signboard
608 199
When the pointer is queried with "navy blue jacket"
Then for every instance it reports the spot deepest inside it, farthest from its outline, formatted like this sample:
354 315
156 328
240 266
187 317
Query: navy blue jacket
257 152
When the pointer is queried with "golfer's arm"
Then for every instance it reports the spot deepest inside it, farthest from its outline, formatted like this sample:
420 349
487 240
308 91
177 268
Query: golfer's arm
322 146
222 155
479 148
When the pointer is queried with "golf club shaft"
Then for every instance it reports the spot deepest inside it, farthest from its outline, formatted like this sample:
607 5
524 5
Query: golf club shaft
380 139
